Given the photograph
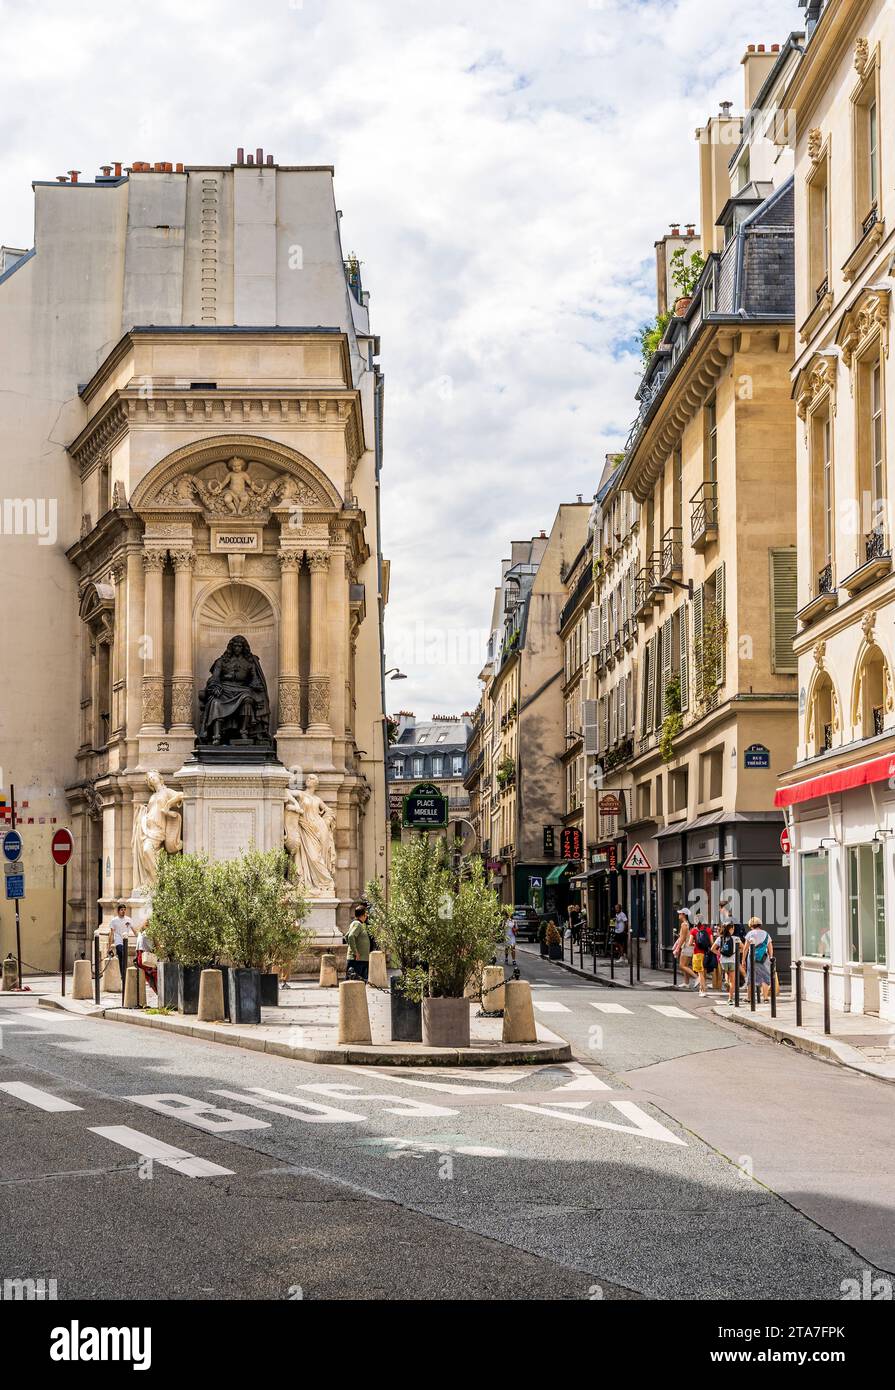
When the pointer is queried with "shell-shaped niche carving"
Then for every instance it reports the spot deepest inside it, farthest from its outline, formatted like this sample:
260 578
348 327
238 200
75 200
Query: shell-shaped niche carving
237 608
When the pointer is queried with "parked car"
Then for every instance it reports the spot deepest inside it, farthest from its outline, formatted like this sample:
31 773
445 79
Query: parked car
527 921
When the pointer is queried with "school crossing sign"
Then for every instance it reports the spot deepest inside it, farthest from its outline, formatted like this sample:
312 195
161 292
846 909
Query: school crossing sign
637 862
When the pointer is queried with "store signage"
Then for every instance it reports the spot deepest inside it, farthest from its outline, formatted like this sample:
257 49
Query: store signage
549 842
610 805
757 756
571 842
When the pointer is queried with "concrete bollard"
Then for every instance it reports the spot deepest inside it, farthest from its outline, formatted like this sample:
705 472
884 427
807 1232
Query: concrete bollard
134 988
211 997
10 975
112 976
491 1002
473 988
378 971
518 1013
82 980
354 1016
329 972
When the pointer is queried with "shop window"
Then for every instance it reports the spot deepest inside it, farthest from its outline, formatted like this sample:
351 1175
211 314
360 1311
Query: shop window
815 905
867 905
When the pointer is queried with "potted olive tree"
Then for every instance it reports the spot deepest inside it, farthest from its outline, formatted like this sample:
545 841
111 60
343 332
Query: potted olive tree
185 927
418 883
262 911
463 936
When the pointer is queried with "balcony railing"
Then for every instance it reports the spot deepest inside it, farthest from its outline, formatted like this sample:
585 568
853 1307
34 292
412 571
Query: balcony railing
822 289
875 545
629 632
704 515
870 220
825 580
644 584
672 553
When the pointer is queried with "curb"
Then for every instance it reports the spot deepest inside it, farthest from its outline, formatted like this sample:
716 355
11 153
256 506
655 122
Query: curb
827 1050
600 979
372 1055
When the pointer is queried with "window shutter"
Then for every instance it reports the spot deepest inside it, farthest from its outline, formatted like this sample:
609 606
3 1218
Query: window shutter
698 691
593 640
783 610
720 614
604 624
666 665
649 722
684 635
644 691
589 715
623 708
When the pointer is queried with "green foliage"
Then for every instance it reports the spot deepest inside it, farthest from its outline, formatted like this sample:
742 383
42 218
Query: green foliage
186 923
685 272
651 335
709 655
438 926
263 909
506 771
673 722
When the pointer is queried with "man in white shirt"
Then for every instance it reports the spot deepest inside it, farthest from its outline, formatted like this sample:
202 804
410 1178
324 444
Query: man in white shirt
621 931
122 930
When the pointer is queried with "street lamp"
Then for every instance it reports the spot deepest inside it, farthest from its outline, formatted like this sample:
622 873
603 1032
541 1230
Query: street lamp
395 674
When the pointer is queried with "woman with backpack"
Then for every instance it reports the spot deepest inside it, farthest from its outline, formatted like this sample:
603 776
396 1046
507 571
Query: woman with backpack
703 958
727 949
764 953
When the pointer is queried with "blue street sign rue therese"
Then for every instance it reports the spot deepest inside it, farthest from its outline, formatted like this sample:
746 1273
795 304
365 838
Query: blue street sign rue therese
15 885
12 845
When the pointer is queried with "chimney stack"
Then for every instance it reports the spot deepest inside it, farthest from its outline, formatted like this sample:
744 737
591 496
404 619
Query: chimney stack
73 175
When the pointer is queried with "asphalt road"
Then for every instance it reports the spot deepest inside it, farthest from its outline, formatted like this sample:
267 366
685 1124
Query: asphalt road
677 1157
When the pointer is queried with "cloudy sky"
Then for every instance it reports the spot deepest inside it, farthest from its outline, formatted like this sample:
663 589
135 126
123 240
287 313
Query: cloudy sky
504 170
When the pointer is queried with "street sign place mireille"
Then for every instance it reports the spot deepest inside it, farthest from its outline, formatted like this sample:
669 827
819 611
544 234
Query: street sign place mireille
425 808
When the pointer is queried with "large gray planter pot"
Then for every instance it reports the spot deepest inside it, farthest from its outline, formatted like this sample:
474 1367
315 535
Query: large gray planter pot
406 1015
446 1022
168 984
244 995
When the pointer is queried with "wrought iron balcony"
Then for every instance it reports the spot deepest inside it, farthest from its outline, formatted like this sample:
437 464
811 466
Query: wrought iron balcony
822 289
629 633
644 584
875 545
704 515
672 564
828 738
825 580
870 220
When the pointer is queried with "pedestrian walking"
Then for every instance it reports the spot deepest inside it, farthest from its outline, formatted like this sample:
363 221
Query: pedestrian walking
122 931
684 947
764 953
703 959
509 944
358 940
620 933
553 939
727 948
147 960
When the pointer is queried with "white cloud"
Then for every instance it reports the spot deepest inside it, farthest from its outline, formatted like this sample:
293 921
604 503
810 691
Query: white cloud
504 170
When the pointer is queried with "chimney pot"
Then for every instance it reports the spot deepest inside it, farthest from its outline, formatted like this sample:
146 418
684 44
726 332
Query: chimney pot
775 48
259 155
270 159
105 170
178 168
117 163
240 154
761 48
250 159
73 173
61 178
751 48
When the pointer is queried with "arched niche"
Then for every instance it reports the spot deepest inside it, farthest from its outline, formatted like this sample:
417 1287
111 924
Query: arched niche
228 610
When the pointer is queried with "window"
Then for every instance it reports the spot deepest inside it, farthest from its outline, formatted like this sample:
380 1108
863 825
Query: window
457 765
418 767
677 481
819 232
711 442
877 466
398 767
678 790
815 905
643 800
822 532
866 905
711 774
865 121
438 766
871 694
819 730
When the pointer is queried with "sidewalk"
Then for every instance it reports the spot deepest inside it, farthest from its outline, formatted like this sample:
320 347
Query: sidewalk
862 1043
649 979
305 1027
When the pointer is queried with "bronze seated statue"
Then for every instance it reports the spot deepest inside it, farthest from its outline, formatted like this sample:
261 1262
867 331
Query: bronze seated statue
234 706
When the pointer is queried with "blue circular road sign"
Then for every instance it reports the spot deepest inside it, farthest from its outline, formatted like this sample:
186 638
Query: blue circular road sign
12 844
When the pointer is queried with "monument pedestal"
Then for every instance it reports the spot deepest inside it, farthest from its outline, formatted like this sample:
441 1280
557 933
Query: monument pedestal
231 806
326 939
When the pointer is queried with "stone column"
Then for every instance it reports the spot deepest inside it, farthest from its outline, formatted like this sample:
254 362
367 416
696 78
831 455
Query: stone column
183 560
119 647
289 691
318 686
153 677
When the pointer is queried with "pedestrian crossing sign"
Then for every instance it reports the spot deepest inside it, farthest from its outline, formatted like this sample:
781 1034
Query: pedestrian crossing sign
637 861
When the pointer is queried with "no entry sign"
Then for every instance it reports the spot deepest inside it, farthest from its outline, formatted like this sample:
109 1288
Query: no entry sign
62 846
785 842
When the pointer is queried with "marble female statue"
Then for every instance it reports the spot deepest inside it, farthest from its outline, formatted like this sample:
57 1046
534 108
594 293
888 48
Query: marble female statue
310 836
156 827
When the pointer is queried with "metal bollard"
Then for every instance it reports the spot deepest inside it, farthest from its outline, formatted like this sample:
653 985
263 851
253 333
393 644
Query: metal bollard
827 1028
772 970
674 972
97 976
638 957
752 978
736 977
798 994
581 949
593 944
630 958
611 963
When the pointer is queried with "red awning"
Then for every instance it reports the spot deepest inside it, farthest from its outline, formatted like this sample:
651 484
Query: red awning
861 775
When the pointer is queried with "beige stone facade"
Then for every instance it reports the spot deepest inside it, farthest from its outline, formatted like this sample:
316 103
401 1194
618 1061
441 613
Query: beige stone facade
839 795
215 467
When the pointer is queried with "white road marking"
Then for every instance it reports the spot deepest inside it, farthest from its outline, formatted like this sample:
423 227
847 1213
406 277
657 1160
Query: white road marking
582 1080
611 1008
551 1006
418 1147
183 1162
641 1124
446 1086
198 1113
400 1104
312 1111
43 1100
671 1011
